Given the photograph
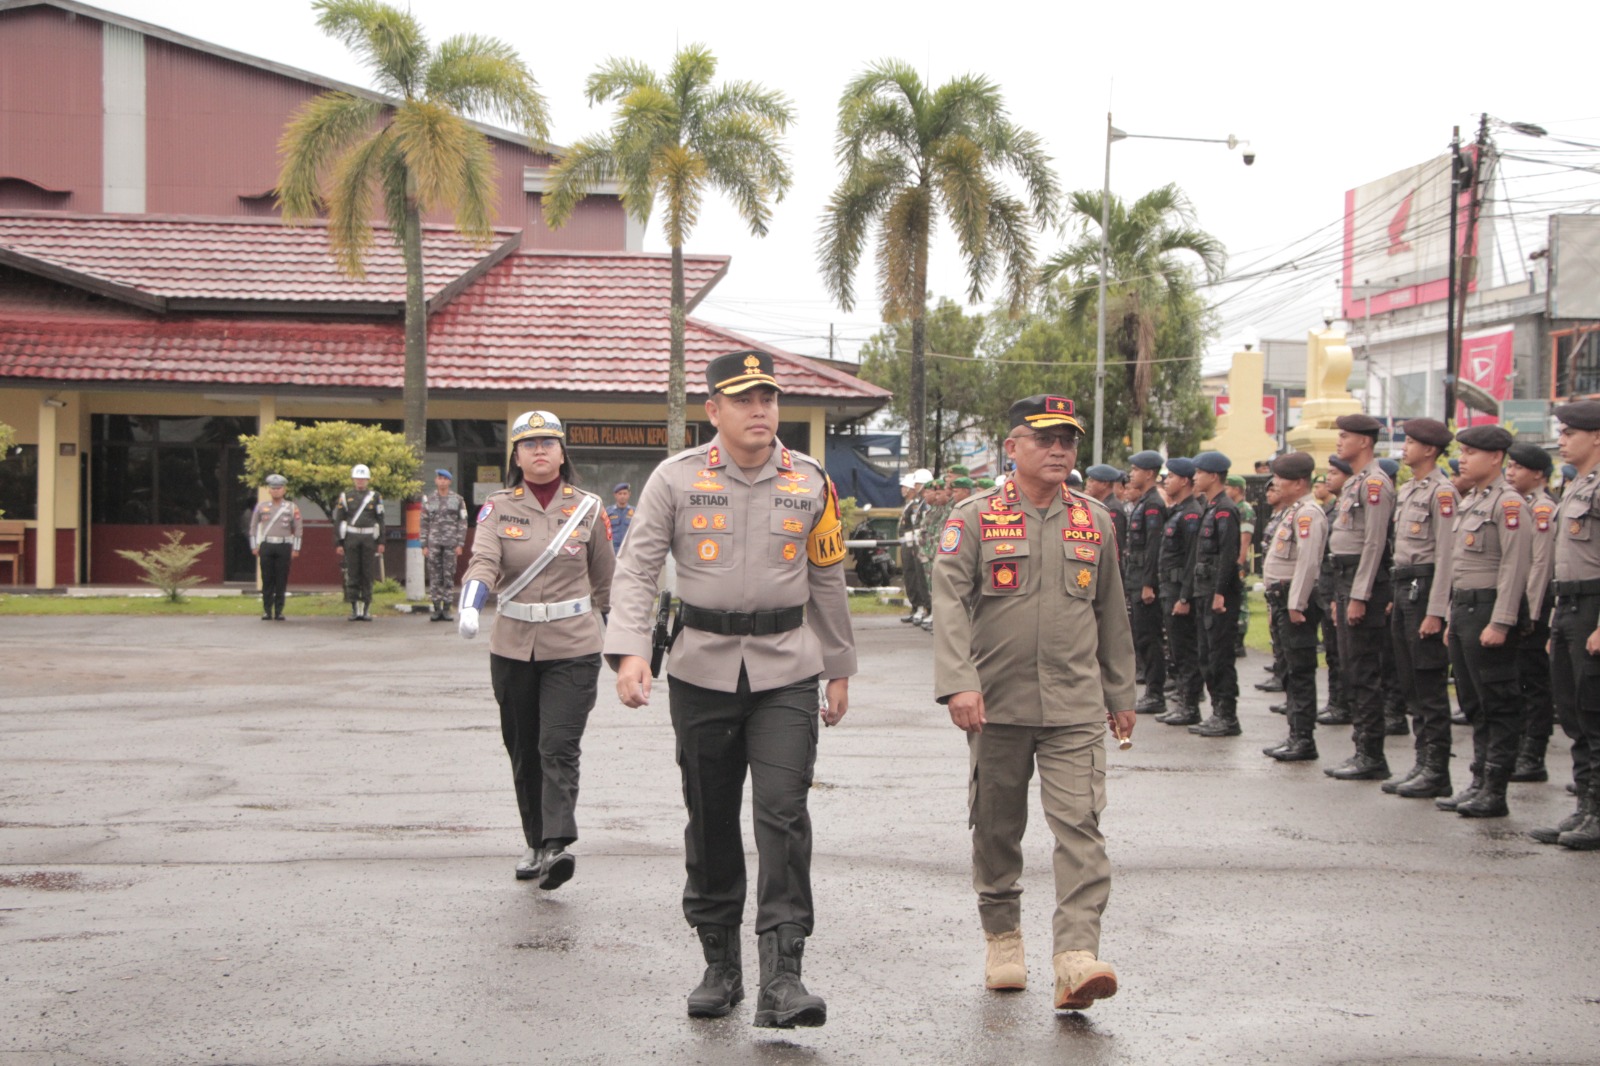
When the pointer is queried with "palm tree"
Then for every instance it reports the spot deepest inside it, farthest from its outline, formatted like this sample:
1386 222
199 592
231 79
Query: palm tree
1145 279
909 153
678 136
420 152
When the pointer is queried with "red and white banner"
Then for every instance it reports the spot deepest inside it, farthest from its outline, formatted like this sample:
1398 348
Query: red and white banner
1486 362
1269 411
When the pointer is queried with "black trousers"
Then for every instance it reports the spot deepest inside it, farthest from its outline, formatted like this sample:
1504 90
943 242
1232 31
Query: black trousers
1575 684
1326 596
274 576
1361 658
916 580
544 707
1422 667
360 567
1145 619
1184 644
1298 641
1533 670
1487 682
720 734
1216 634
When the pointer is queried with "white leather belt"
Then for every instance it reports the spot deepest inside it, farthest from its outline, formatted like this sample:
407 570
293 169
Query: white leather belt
362 531
546 612
277 540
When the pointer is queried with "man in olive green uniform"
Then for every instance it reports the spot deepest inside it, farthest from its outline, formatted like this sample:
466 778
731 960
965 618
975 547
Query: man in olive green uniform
754 530
358 540
1575 629
1359 548
275 528
909 530
1147 518
1528 468
937 495
1488 604
444 537
1424 515
1294 558
1033 654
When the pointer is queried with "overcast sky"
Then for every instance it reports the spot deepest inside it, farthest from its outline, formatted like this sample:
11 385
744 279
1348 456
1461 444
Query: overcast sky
1330 97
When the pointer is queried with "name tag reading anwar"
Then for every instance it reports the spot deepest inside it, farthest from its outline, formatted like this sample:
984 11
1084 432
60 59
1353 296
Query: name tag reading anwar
993 526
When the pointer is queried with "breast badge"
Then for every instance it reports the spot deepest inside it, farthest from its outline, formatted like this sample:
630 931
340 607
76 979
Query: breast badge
1086 553
719 521
698 522
1575 527
791 525
793 489
789 552
708 550
1003 575
709 485
1085 576
1005 547
512 531
1472 539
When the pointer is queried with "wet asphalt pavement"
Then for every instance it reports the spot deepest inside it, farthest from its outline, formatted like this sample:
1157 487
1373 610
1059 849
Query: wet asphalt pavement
224 841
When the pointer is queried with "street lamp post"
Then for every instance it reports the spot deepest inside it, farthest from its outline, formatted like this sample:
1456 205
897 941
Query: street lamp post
1112 135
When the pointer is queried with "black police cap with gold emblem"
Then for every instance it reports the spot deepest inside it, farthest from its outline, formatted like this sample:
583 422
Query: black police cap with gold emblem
738 371
1045 412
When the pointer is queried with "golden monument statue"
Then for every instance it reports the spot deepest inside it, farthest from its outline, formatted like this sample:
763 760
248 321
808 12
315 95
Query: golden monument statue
1328 364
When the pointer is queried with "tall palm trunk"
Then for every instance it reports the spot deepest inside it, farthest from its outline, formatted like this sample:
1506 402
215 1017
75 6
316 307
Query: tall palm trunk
919 347
675 376
415 387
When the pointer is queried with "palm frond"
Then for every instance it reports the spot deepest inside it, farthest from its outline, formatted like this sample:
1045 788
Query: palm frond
861 197
903 239
318 131
484 77
439 148
680 175
1023 152
356 177
1010 245
588 163
965 190
390 42
748 98
617 78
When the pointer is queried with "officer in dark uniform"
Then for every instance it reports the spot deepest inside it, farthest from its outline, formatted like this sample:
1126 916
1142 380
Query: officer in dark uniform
755 533
1337 711
1359 547
1140 569
1488 606
1214 590
1424 515
444 539
1293 559
620 513
1528 470
1575 629
1103 481
358 540
1178 538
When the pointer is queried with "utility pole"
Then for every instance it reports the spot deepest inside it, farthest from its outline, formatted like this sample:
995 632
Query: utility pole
830 340
1450 293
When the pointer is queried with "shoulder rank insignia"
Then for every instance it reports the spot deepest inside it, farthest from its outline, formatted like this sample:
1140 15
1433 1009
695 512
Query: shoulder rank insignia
566 490
785 460
1011 494
714 456
519 492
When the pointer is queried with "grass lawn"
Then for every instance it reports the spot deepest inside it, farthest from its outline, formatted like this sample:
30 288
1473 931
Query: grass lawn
323 605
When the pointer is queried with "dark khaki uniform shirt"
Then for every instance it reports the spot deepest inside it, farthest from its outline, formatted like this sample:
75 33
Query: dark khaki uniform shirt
358 509
1030 610
1493 548
1541 567
1361 526
740 542
513 529
1577 547
1424 515
1294 552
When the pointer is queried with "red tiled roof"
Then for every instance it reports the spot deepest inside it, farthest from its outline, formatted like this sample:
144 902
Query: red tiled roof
169 262
537 322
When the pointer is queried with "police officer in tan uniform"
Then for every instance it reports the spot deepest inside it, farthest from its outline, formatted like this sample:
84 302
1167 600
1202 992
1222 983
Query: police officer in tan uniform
755 533
1033 655
544 651
275 528
1294 560
1358 546
1528 468
1424 514
1575 628
1488 604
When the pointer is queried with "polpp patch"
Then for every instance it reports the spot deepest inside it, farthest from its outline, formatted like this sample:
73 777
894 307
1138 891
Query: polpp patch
950 539
1003 575
485 511
1081 536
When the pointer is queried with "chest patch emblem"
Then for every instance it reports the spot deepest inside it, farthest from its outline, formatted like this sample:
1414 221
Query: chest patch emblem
699 521
1086 553
793 489
568 510
719 521
1002 526
950 539
1472 538
1079 517
1003 575
1575 527
574 549
1005 548
1085 575
708 550
790 525
709 485
1416 527
789 552
513 531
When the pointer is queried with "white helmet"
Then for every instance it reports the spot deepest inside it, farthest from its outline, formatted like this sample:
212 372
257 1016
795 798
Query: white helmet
537 424
360 471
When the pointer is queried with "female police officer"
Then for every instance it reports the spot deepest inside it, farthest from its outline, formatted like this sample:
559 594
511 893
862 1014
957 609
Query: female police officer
543 546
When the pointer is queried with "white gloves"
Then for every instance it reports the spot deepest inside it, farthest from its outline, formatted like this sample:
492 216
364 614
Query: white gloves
467 622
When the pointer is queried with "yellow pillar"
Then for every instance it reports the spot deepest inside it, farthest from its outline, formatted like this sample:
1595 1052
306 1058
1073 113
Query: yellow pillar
44 564
1242 433
1328 364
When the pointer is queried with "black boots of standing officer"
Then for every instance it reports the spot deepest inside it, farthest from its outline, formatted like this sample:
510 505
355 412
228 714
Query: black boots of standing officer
1224 721
441 611
723 983
1530 760
1367 764
1428 779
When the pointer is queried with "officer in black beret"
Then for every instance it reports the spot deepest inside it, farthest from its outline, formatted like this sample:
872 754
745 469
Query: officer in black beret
1423 517
1147 517
1178 539
1359 548
1575 628
1528 468
1214 587
1103 481
1489 564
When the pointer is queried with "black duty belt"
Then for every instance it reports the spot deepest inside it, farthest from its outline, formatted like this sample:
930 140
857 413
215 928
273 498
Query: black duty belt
1277 588
1466 597
1590 587
1344 562
742 623
1412 573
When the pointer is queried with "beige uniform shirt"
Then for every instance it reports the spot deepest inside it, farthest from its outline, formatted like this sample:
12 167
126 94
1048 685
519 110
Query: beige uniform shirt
1493 548
275 520
1423 517
1542 509
1030 610
1361 525
513 529
740 542
1577 547
1295 551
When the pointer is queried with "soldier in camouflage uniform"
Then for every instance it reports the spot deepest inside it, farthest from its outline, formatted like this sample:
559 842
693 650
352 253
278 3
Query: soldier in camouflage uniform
444 535
937 496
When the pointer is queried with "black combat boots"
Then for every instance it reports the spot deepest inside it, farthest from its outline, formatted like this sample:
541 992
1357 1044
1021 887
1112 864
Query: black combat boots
784 1002
1392 785
1367 764
1433 781
1585 836
1182 714
1333 714
1224 722
1473 788
1552 834
1530 760
1490 801
723 984
1151 703
1300 747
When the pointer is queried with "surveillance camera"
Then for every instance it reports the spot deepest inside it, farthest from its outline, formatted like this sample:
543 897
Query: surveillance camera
1249 157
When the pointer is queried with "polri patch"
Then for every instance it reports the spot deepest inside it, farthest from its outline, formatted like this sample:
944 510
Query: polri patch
1541 516
485 511
1003 575
1304 525
1513 512
950 539
1447 503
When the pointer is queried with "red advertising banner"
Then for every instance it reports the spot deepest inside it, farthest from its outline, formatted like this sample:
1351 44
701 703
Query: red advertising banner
1486 362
